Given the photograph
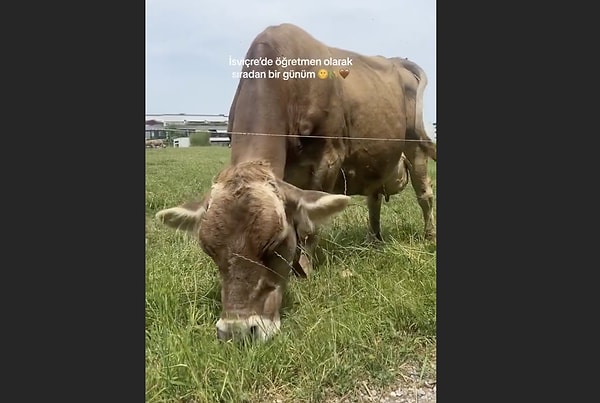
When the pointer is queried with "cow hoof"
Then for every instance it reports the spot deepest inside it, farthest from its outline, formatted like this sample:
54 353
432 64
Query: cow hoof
374 238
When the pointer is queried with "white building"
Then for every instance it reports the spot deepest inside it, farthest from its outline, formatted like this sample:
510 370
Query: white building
181 142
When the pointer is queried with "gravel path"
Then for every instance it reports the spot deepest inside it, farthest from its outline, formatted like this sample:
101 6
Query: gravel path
418 392
410 388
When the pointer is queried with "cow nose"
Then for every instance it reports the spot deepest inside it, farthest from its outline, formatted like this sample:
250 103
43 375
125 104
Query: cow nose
235 331
249 329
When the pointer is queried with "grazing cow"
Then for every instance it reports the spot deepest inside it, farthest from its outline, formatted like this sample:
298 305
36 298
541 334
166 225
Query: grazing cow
296 143
249 224
157 143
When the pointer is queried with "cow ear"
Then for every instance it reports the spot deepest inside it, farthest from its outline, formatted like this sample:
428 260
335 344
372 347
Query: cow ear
321 208
186 217
311 208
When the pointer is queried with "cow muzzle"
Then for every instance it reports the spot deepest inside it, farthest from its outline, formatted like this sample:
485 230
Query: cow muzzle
254 327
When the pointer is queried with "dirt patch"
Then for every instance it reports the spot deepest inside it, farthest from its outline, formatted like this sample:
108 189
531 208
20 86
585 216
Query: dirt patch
412 386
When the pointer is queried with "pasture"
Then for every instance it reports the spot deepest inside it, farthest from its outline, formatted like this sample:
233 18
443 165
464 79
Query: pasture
364 320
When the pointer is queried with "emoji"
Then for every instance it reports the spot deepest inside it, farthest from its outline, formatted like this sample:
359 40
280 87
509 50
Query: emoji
322 74
344 73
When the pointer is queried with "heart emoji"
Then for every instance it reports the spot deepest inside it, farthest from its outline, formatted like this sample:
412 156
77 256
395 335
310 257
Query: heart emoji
344 73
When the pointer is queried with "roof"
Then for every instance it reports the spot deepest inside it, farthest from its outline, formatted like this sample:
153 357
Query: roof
185 117
153 122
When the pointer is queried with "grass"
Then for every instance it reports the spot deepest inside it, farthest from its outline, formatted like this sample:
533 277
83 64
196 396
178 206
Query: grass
366 314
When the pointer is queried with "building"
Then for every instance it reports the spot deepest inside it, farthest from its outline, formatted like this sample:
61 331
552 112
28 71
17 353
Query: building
219 137
190 122
155 130
181 142
169 125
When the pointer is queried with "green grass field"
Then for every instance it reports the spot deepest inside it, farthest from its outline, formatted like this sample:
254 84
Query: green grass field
366 314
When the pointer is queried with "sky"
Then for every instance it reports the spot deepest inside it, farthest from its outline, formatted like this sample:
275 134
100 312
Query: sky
189 43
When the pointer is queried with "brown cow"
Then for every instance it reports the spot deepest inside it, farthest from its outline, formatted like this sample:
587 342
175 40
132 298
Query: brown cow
415 81
417 153
241 222
157 143
249 224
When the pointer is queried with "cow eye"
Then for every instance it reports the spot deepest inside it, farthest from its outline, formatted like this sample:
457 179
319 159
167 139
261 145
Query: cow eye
269 248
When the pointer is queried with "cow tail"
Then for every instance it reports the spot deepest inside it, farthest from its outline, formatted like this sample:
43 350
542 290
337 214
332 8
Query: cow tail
429 148
426 144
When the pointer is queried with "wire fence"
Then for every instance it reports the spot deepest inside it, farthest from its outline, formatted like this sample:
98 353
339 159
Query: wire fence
193 128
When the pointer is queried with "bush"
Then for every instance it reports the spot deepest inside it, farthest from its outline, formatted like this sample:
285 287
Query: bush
199 139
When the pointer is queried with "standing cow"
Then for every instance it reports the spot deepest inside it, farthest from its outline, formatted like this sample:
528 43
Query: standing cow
279 189
157 143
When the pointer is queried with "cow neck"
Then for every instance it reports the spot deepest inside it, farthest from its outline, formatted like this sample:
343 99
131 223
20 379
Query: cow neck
255 148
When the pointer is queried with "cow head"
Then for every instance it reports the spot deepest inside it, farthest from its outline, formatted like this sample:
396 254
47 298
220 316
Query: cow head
250 224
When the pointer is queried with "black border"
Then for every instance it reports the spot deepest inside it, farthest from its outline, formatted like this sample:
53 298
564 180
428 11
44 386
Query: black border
76 286
506 166
473 208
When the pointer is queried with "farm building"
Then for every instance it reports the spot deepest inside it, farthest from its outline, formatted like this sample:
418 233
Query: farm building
155 130
190 122
181 142
219 137
168 126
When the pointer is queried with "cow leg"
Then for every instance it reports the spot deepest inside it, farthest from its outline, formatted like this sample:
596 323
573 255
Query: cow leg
374 207
421 183
323 179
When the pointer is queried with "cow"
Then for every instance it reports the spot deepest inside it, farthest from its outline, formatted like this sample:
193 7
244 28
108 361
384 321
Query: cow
158 143
249 223
415 81
414 160
299 148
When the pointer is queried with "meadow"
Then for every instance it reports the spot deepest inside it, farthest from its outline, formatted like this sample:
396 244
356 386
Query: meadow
366 316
